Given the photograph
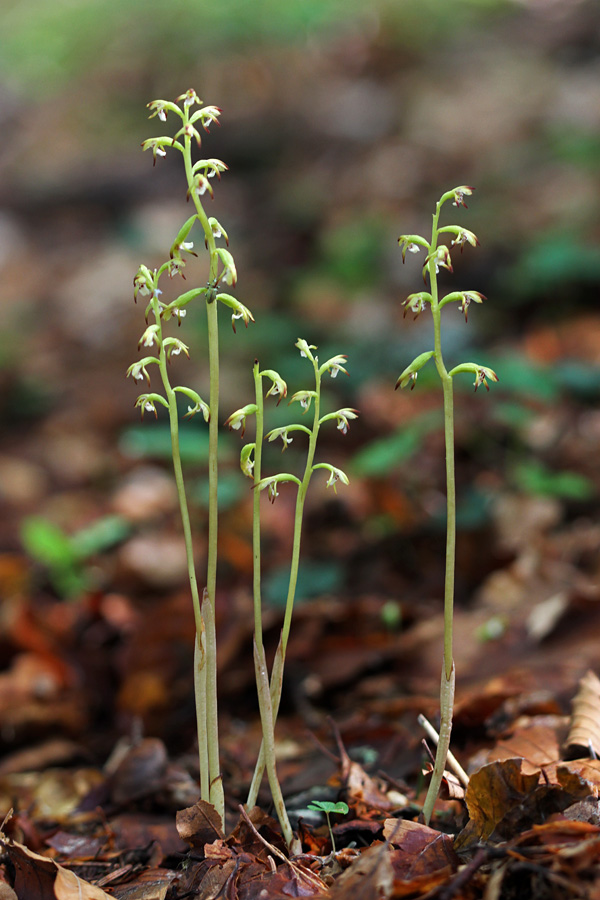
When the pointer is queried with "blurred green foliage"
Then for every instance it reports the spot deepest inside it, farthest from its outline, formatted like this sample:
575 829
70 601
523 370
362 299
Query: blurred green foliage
64 556
46 44
534 477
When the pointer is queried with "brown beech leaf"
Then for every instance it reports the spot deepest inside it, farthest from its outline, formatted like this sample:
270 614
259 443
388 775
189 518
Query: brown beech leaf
199 824
40 878
537 745
421 850
584 730
370 877
493 792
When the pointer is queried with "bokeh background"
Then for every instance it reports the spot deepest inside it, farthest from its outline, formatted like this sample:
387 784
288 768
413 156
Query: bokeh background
342 124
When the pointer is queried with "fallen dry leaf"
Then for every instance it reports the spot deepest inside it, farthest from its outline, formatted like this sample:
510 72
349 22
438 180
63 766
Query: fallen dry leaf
40 878
493 792
421 850
199 824
584 730
370 877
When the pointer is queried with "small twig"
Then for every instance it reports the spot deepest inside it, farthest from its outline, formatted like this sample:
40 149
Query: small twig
451 759
305 874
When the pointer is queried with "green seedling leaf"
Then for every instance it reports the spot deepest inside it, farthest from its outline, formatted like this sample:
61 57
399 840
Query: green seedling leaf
49 546
100 535
46 543
534 478
327 806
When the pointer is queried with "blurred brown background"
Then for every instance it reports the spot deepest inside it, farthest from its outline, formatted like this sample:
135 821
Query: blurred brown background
342 124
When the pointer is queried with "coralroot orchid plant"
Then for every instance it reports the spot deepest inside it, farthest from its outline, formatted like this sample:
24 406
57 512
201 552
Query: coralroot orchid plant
269 690
221 270
438 256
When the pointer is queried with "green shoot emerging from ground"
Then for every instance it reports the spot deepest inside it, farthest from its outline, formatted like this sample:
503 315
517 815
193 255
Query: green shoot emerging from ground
328 807
438 256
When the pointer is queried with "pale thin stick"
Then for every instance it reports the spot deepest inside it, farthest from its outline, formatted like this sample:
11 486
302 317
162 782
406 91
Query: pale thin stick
453 763
302 873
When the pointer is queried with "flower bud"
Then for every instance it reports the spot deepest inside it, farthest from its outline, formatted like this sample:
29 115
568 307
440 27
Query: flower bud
237 419
246 462
270 484
199 404
210 167
160 108
416 303
335 475
334 365
229 273
482 373
149 337
174 347
147 403
217 230
460 193
189 98
240 311
138 370
304 398
411 243
343 418
278 386
409 376
305 348
157 145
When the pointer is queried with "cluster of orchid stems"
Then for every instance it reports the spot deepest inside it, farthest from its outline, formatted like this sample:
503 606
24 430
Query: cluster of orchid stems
438 256
269 689
222 271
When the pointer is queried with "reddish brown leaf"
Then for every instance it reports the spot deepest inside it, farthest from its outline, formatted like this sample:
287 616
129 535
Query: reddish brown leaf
199 824
421 850
493 792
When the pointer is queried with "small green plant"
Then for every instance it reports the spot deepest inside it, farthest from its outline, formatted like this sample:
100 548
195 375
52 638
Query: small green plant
438 256
221 271
65 556
328 807
269 690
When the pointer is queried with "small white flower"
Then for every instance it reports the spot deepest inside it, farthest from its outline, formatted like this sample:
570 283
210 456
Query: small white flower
180 313
413 248
272 491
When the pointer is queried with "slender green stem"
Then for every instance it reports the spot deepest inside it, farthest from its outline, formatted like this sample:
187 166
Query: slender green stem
447 682
199 654
268 729
279 663
256 571
300 500
212 731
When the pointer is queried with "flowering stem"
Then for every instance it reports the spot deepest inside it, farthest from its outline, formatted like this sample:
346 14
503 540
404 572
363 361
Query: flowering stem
216 796
447 682
256 571
279 662
199 653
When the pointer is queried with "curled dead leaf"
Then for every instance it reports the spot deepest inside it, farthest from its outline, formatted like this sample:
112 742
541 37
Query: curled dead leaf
584 729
